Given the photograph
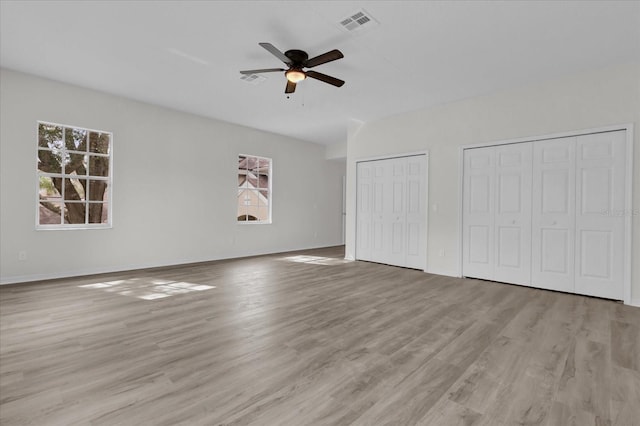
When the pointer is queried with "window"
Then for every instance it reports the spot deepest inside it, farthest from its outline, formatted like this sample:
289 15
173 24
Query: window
74 179
254 189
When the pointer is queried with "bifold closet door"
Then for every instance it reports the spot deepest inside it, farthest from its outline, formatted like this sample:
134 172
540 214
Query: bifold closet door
550 214
497 213
391 211
416 210
513 214
372 235
478 213
600 214
364 210
395 213
553 218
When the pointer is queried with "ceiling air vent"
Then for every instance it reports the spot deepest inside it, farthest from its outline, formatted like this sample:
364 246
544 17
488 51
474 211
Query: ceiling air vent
358 21
252 78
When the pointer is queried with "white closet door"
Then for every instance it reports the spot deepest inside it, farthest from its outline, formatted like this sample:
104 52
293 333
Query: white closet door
550 214
416 248
379 223
391 221
478 213
512 226
553 227
600 204
364 210
395 212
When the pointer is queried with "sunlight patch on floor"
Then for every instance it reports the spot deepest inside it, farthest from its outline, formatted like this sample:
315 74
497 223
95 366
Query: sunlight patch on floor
147 288
317 260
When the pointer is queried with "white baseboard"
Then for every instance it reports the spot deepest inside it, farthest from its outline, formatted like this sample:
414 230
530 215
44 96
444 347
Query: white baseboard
444 272
635 302
18 279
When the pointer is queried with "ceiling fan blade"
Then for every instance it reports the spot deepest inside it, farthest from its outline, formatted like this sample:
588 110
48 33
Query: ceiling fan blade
291 87
326 78
275 52
262 70
324 58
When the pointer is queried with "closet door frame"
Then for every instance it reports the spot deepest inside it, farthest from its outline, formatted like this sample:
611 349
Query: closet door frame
425 195
628 212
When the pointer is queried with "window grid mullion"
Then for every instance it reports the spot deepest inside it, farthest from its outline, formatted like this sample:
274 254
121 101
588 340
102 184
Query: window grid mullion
65 177
87 190
63 180
256 189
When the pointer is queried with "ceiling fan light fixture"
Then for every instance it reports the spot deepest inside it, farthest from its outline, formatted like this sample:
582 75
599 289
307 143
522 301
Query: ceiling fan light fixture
297 61
295 76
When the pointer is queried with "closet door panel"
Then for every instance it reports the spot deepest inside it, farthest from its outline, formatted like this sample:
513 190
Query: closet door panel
364 211
395 211
380 226
480 248
478 213
600 201
416 177
513 214
553 214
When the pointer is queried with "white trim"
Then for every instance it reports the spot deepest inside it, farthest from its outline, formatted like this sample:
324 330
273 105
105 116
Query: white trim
426 199
628 127
634 302
442 272
73 126
427 208
460 210
73 227
24 279
629 218
390 156
534 138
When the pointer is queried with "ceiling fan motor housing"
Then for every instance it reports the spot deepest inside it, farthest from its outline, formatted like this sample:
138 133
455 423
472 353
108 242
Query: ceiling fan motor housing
298 57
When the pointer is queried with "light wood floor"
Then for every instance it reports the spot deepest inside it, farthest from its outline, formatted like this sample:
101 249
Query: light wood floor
280 342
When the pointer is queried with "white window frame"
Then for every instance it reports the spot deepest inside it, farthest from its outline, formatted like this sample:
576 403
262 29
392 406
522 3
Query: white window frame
269 193
109 180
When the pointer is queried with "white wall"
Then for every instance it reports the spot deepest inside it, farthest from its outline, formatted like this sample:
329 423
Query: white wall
174 186
336 151
595 99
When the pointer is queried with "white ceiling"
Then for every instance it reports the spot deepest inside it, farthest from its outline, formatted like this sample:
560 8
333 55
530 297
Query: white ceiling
186 54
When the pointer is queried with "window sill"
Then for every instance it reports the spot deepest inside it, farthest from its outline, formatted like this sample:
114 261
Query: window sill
72 227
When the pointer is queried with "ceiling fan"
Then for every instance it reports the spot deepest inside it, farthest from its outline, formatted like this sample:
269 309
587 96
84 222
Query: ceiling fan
296 60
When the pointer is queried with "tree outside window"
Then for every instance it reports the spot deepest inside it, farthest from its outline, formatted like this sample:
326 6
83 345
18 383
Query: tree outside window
74 179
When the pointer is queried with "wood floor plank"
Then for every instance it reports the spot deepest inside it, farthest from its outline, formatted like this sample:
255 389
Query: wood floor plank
625 398
585 383
447 412
625 345
308 338
561 414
